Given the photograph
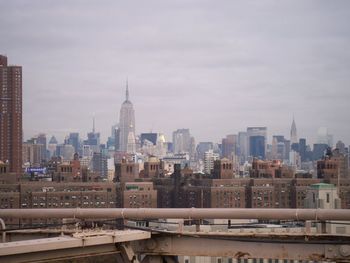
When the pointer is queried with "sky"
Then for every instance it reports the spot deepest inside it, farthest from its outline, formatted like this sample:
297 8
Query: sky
215 67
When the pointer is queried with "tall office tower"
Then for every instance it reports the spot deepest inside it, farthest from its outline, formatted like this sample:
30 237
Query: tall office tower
257 140
93 139
66 151
126 121
99 163
192 148
41 139
52 146
203 147
323 137
228 146
293 133
278 150
32 153
73 140
319 151
242 150
288 149
182 141
302 149
111 139
340 146
11 115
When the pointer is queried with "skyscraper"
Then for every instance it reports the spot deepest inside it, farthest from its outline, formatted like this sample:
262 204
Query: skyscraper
181 141
323 137
302 149
11 115
293 133
228 146
41 139
126 121
52 146
73 140
242 146
257 140
93 139
278 150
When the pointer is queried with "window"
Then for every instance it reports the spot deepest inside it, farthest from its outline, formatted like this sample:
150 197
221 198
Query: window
327 197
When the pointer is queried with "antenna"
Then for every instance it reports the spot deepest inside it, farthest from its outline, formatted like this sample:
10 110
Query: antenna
93 123
127 89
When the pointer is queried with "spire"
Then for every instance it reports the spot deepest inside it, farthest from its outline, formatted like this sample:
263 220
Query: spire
293 132
93 123
127 90
294 127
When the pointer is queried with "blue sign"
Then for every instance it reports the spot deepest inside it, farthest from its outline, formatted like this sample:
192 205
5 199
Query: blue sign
36 170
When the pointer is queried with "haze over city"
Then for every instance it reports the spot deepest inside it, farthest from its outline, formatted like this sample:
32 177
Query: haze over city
186 131
213 67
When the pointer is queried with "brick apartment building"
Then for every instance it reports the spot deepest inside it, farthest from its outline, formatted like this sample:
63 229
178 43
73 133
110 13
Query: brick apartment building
11 115
75 187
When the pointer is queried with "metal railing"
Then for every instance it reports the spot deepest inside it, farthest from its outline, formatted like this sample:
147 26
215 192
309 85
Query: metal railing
178 213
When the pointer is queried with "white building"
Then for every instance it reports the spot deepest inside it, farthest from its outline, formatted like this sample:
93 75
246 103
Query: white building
325 196
209 158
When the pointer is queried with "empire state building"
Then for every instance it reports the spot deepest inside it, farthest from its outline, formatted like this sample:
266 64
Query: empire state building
126 121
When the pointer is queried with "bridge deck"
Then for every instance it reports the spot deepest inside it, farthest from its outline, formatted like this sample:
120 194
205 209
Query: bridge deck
125 244
83 239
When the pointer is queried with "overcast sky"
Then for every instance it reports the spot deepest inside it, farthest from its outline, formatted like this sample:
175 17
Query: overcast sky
215 67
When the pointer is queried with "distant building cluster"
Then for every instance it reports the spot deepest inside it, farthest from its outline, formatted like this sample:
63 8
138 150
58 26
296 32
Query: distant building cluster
244 170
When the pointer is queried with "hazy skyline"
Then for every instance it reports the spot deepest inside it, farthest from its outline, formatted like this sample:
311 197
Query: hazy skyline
213 67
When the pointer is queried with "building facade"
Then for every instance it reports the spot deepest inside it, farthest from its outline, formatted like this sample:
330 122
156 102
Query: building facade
11 115
126 122
257 141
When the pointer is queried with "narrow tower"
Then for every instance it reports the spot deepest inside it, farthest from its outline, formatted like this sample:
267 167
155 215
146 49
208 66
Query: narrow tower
293 133
126 121
11 115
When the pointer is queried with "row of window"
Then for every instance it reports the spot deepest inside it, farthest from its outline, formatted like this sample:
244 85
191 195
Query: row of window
68 204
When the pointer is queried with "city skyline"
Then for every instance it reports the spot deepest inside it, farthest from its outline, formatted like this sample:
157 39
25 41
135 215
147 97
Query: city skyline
214 71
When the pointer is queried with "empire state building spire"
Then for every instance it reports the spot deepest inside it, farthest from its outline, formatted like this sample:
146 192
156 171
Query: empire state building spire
127 91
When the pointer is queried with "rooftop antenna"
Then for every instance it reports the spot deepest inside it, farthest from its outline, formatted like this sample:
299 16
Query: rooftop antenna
93 123
127 89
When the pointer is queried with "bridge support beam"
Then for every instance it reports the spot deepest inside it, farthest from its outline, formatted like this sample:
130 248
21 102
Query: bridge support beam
242 249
